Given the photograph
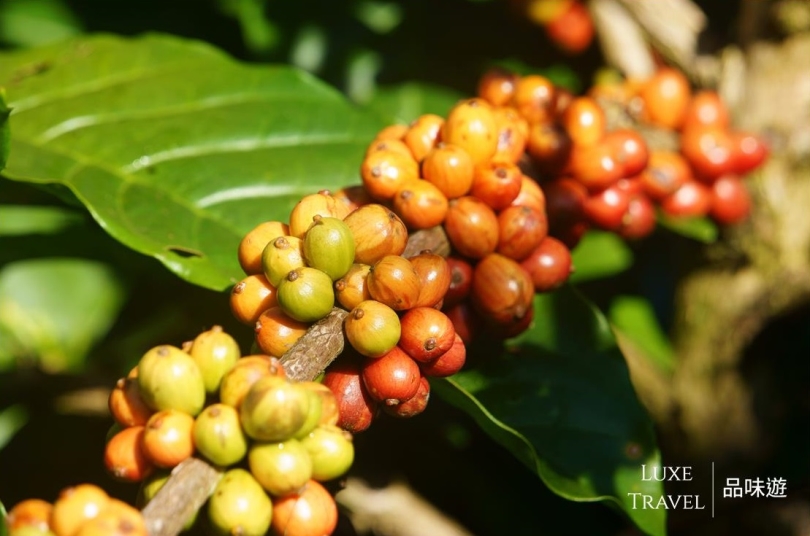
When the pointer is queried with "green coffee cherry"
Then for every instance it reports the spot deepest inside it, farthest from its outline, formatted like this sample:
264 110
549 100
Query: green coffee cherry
274 409
306 294
215 353
240 506
169 378
329 246
331 450
280 256
280 468
218 435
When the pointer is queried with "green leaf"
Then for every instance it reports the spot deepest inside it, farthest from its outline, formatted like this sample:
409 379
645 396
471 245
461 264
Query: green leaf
599 254
5 132
635 318
29 23
16 220
11 420
700 229
405 102
176 149
55 310
562 402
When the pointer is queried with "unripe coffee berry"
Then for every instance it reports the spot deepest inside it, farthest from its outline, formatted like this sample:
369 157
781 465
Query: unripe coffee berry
320 204
239 505
377 232
251 297
170 379
280 468
331 451
329 246
254 242
218 435
282 255
247 371
306 294
274 409
215 352
372 328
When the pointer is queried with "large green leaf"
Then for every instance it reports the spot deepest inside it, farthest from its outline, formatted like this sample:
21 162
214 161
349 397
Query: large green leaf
562 402
176 149
635 318
5 133
599 254
405 102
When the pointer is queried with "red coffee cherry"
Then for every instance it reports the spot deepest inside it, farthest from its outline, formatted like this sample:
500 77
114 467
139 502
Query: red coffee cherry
501 290
549 265
665 173
706 109
472 227
392 378
571 235
666 96
394 282
748 152
565 200
520 230
550 148
632 185
584 120
573 29
461 273
414 405
534 98
639 220
467 322
497 86
449 362
513 328
356 407
496 184
595 166
691 199
730 200
630 150
606 209
427 333
709 150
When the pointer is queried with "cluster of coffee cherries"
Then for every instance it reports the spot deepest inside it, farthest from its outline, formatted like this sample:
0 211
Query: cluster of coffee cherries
567 23
343 250
80 510
277 439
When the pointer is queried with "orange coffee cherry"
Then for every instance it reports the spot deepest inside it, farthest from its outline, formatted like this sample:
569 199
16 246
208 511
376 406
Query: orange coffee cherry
434 276
420 204
520 230
321 204
496 184
530 195
666 96
354 197
117 519
471 125
398 146
513 133
384 172
584 120
550 148
253 243
450 169
394 282
573 29
595 166
34 513
472 227
308 512
75 506
666 172
276 332
351 289
534 98
706 109
251 297
168 438
377 232
392 132
423 135
497 86
124 457
125 402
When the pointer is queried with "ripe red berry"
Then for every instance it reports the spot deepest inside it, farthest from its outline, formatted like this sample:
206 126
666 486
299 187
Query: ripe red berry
691 199
427 333
549 265
392 378
731 202
606 209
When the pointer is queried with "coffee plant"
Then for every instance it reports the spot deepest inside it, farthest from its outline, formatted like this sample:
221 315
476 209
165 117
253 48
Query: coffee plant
490 249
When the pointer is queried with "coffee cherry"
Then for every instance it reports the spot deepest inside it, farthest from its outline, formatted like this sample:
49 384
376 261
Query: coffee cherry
706 109
394 282
331 451
398 146
730 200
353 197
351 289
75 506
392 132
534 98
126 404
595 166
414 405
329 246
327 402
310 511
565 202
247 371
276 332
471 125
384 172
530 195
639 220
281 256
748 152
254 242
497 86
320 204
573 29
377 232
692 199
520 230
665 173
606 209
313 417
391 378
124 457
215 352
168 438
274 409
170 379
423 134
30 513
630 149
239 505
709 150
447 363
218 435
512 328
434 278
467 322
306 294
372 328
356 407
117 519
280 468
666 97
472 227
420 204
549 265
496 184
501 290
450 169
251 297
550 148
632 186
461 273
513 134
427 333
584 121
